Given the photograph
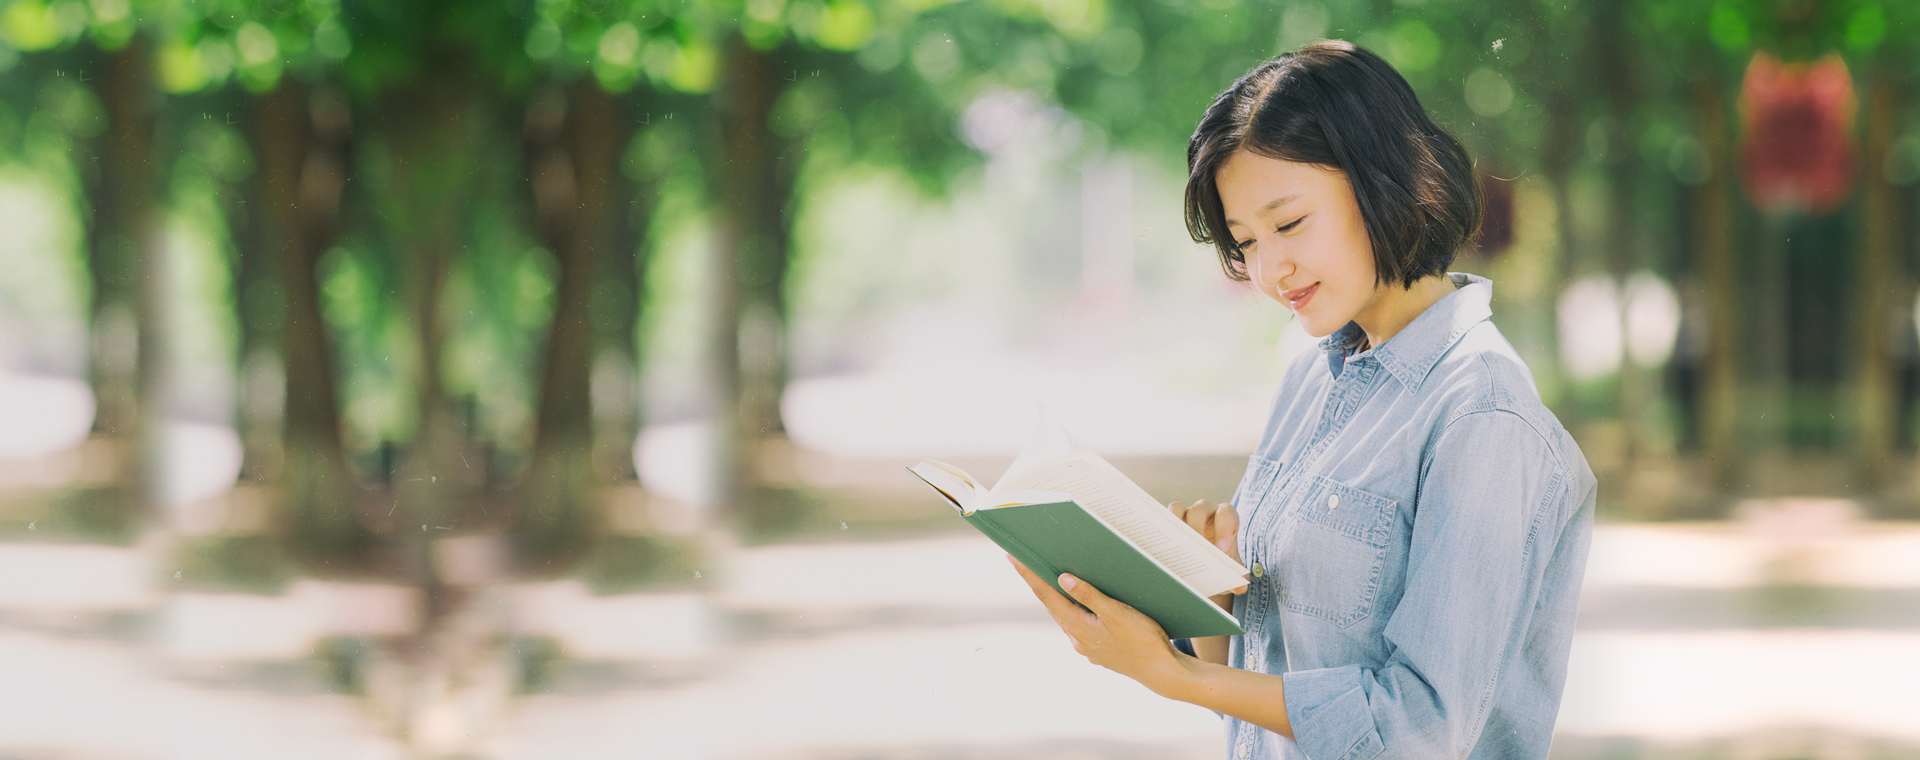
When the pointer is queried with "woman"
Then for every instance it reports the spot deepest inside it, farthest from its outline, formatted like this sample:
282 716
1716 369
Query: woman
1415 520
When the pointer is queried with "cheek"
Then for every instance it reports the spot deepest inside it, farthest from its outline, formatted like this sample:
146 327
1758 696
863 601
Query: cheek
1346 261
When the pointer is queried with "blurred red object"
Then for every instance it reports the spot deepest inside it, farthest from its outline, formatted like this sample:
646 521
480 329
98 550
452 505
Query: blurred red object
1796 144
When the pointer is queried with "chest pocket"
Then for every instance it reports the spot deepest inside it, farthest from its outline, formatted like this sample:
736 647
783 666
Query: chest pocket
1255 485
1339 549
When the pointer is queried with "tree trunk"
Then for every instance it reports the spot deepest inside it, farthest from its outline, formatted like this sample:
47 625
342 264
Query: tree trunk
1712 245
1559 142
1621 239
764 368
577 186
748 343
429 128
126 368
1878 284
259 304
1557 159
263 230
618 294
303 175
617 299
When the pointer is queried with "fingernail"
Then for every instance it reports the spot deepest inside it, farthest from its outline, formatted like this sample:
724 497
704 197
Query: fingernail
1067 582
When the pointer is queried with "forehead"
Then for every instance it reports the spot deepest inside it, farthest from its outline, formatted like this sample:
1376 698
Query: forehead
1250 183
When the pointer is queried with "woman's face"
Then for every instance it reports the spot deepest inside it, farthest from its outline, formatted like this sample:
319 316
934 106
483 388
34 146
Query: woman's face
1301 233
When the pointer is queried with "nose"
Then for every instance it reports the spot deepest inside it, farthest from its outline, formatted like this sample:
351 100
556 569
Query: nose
1267 266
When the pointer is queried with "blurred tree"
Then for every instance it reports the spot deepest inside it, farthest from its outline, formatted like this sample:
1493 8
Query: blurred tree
413 104
1755 305
1881 38
592 207
803 89
440 87
112 137
123 240
573 137
298 135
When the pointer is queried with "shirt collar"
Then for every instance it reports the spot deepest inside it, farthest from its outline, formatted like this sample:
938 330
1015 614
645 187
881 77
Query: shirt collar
1411 353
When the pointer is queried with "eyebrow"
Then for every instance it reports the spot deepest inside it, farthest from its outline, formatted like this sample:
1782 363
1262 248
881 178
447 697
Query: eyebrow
1271 205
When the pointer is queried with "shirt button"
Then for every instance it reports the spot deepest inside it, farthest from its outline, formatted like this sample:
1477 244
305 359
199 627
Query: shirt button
1333 501
1258 570
1240 751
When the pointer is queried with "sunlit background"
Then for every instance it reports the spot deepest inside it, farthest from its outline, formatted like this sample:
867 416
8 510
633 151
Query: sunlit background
535 379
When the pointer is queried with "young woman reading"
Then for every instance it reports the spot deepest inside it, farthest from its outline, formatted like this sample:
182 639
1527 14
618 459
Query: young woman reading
1415 519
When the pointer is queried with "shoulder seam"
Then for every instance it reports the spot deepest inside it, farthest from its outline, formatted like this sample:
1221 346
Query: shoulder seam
1559 457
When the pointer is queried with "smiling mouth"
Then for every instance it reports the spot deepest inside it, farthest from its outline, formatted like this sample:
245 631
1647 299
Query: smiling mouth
1298 297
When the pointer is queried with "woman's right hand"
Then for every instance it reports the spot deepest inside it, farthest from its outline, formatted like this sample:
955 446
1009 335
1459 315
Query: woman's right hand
1219 524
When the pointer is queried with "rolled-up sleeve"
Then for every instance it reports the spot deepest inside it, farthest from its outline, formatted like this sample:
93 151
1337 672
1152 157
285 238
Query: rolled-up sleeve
1491 506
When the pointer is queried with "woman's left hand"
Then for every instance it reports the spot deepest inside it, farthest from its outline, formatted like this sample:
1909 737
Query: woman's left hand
1113 635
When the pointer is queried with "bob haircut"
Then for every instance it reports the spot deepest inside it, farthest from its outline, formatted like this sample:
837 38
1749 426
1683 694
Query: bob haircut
1337 105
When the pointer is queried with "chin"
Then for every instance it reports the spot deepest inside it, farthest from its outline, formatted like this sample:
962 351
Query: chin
1316 330
1319 325
1320 318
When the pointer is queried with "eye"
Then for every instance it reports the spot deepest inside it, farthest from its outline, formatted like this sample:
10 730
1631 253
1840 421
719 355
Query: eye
1240 246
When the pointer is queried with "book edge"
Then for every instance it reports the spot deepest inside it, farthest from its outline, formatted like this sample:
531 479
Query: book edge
1219 560
1219 615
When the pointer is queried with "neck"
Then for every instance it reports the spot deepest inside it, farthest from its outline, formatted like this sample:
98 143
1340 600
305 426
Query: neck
1394 307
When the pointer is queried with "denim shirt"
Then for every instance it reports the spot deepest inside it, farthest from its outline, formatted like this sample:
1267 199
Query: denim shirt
1417 522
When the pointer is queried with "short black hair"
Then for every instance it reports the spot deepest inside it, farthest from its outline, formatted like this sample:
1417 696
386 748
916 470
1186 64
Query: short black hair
1338 105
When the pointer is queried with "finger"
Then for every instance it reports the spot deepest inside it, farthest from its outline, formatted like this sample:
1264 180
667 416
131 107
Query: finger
1226 530
1109 614
1178 509
1199 516
1086 594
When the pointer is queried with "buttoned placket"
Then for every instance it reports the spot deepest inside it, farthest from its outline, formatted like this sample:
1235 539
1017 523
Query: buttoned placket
1345 393
1351 389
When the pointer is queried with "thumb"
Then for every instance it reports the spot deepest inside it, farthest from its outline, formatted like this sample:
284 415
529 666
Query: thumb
1084 593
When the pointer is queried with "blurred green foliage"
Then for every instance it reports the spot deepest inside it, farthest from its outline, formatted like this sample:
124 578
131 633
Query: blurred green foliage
625 564
1594 110
247 564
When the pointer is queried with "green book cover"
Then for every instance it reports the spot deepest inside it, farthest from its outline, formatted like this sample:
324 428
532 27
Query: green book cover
1063 537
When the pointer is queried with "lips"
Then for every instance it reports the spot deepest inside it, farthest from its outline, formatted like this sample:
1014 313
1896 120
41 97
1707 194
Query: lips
1298 297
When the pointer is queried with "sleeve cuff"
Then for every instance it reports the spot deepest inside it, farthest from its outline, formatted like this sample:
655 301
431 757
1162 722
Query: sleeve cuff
1330 715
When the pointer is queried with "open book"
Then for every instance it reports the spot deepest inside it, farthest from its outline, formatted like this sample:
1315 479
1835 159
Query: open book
1072 512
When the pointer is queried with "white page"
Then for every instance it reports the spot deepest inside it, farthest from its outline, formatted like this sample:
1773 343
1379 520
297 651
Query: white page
1049 442
1116 500
950 481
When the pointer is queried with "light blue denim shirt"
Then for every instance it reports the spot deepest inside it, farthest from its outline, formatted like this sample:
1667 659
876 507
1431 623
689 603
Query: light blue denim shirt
1417 522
